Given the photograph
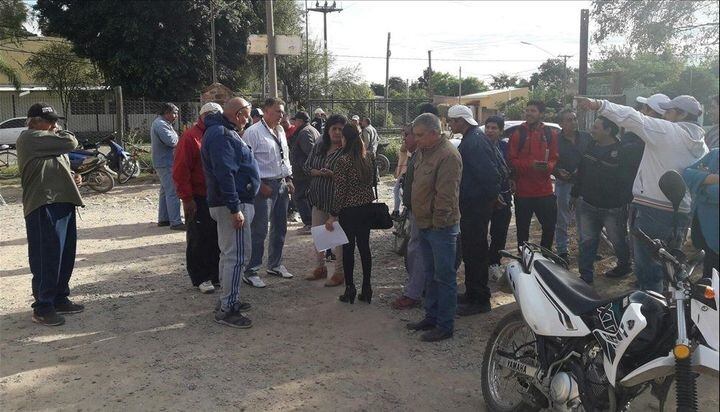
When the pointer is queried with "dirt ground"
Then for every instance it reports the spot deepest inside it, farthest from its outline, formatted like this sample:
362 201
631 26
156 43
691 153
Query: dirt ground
147 339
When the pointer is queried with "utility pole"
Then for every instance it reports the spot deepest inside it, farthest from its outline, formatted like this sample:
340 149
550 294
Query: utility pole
429 79
212 41
583 70
307 59
565 58
272 69
387 79
407 100
325 9
460 85
214 12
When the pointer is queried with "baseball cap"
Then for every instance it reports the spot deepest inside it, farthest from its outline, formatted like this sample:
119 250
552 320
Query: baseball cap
43 110
355 117
256 112
654 102
319 111
302 116
687 104
210 107
462 111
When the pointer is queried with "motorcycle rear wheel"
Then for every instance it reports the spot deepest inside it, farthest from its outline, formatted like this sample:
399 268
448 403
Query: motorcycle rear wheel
100 181
500 386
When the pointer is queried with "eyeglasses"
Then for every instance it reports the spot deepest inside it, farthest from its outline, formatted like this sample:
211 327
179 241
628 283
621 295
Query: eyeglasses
241 109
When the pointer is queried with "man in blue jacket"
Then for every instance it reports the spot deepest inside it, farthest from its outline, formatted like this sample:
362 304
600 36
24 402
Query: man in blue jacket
479 190
233 180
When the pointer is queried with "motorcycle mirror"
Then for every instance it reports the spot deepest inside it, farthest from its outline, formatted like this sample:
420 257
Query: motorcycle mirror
673 187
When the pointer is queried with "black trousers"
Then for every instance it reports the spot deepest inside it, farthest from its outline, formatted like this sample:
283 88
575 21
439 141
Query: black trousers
499 223
355 222
202 253
545 209
474 222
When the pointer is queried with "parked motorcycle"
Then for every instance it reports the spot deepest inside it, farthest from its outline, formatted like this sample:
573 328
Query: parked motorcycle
94 170
119 160
569 349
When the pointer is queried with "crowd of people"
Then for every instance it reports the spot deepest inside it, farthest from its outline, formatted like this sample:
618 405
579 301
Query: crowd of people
238 171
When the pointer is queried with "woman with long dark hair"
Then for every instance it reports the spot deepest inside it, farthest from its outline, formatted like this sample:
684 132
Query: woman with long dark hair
354 180
320 165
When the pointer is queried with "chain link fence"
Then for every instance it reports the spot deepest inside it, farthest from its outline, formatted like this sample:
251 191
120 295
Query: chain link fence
386 115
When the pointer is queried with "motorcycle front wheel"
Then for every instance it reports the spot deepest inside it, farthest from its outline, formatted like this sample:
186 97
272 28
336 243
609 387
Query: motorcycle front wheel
503 388
100 181
129 168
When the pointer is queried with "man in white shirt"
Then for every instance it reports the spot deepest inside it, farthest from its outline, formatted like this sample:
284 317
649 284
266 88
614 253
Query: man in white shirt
269 145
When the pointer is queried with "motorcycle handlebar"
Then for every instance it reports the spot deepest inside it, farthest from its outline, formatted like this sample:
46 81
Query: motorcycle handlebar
654 245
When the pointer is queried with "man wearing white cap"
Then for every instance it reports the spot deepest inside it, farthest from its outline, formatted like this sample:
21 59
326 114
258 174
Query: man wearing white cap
319 120
672 143
202 251
479 191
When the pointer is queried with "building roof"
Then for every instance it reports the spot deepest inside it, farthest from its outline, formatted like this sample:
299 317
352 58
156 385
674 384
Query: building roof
16 54
488 93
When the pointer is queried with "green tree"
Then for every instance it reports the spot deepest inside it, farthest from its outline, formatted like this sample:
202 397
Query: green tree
504 81
656 25
13 15
377 89
161 49
446 84
65 74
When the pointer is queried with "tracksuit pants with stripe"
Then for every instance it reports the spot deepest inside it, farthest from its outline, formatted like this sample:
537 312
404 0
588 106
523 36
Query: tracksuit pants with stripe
235 245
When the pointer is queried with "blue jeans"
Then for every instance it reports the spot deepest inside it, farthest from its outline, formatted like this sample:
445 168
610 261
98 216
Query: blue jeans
274 209
593 219
657 224
564 216
418 273
169 204
438 249
52 238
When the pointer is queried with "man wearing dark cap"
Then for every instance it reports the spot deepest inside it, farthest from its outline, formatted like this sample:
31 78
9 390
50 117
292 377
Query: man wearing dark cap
50 195
256 115
300 148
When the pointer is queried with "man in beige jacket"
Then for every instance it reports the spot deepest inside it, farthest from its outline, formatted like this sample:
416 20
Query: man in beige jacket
435 204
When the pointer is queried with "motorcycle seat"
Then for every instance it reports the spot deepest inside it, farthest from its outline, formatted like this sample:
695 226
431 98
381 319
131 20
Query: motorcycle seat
577 295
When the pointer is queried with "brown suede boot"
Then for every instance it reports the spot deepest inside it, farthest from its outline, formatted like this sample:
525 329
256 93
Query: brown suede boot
337 279
318 273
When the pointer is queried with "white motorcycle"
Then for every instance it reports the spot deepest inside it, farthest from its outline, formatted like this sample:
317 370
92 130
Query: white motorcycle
569 349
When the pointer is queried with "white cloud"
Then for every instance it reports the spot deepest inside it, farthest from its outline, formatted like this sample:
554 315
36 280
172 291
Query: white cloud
485 35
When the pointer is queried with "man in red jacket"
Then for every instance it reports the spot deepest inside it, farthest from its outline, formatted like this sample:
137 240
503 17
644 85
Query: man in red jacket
202 253
533 153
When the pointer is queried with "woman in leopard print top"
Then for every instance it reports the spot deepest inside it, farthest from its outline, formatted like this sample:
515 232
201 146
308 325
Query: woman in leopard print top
354 176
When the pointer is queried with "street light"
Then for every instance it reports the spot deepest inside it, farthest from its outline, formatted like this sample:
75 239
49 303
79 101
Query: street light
562 56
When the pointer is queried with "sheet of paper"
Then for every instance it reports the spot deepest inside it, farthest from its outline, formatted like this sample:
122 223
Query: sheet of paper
325 239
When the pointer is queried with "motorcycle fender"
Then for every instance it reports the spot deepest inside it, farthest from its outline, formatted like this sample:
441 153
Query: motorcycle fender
110 171
704 360
542 310
615 341
706 317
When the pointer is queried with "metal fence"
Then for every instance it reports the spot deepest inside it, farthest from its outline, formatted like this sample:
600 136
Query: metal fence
387 115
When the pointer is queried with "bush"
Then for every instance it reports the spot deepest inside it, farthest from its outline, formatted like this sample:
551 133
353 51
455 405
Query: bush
392 150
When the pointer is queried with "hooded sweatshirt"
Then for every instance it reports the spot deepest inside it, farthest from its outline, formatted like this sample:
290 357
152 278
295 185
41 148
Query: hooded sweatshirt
668 146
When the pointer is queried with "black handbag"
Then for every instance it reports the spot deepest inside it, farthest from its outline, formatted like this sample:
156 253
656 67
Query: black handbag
379 212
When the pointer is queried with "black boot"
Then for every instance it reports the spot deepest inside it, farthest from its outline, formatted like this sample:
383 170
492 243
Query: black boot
366 294
349 295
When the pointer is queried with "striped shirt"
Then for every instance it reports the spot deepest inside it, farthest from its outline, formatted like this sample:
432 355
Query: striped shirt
322 189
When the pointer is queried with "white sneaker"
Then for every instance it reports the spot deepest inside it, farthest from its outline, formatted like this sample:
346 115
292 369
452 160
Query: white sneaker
280 271
496 272
254 281
206 287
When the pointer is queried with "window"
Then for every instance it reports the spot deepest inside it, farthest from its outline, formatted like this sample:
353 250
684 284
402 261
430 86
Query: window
13 123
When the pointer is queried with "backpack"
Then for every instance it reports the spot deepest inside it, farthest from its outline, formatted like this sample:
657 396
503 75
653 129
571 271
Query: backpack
523 136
